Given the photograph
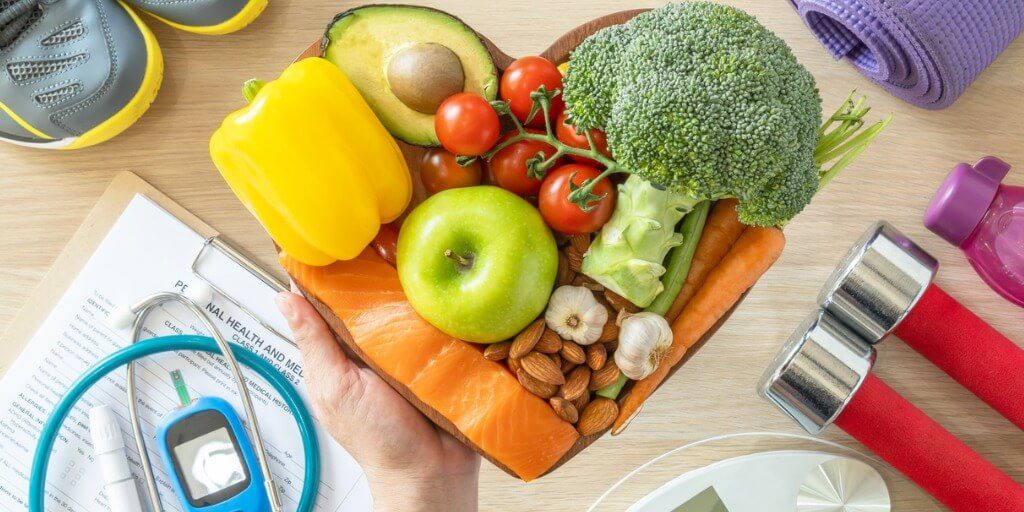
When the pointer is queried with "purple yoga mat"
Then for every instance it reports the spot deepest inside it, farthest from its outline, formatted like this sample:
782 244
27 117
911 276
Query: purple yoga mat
925 51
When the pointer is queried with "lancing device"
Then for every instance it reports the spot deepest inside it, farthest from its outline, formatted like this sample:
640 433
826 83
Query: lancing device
115 472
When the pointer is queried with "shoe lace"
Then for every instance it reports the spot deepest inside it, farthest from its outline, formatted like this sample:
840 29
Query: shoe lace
15 16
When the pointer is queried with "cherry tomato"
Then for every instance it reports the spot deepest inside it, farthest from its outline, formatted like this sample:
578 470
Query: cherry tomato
526 75
508 166
567 134
439 171
386 242
566 217
466 124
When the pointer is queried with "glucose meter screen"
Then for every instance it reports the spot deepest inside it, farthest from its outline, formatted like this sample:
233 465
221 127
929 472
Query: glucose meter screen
210 463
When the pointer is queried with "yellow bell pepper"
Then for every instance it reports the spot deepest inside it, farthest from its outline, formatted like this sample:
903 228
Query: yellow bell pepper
311 161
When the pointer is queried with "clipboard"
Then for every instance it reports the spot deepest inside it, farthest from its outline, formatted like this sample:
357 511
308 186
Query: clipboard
83 243
134 239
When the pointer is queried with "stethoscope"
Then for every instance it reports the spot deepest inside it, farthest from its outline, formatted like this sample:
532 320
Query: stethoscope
135 316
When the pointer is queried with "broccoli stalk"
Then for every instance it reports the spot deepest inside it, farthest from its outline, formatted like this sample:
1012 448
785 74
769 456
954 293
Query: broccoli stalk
627 255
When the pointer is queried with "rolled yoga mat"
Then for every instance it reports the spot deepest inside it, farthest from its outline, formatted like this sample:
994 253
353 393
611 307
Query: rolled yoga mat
924 51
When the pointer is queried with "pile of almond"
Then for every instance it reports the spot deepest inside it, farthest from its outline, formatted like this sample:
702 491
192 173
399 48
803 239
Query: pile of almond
561 371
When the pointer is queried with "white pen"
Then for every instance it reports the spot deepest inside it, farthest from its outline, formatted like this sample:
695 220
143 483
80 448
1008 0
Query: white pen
115 471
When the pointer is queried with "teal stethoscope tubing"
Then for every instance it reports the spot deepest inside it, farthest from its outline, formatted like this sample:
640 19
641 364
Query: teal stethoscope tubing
142 349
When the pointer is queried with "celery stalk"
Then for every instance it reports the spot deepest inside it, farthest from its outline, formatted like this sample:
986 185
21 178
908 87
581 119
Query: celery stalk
612 390
679 260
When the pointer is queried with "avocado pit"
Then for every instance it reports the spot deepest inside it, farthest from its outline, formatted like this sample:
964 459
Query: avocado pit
422 75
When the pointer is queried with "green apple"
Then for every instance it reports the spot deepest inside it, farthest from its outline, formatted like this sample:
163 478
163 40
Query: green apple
478 263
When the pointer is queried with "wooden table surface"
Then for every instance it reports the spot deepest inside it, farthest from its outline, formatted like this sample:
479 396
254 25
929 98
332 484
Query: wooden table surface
45 195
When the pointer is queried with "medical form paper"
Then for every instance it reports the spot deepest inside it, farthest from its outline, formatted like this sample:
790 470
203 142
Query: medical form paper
148 250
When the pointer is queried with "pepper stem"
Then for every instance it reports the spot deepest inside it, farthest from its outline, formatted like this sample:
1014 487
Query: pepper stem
251 88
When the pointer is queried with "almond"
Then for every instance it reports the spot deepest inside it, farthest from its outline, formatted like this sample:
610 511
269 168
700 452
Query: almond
541 389
513 365
619 303
576 384
565 274
580 242
575 258
610 332
597 416
543 368
597 355
611 345
557 359
573 353
564 409
604 377
497 351
582 401
526 340
568 366
549 342
588 283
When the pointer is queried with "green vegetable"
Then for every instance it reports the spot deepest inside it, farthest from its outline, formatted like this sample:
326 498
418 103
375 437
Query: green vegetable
627 255
841 139
612 390
678 265
702 99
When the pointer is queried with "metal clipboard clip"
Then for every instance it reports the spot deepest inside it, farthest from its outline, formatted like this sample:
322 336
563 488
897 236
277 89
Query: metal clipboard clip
215 243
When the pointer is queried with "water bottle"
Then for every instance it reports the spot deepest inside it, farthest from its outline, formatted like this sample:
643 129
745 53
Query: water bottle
974 211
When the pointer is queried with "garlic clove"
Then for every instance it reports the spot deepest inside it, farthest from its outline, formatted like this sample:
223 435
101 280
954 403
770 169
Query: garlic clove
575 314
644 339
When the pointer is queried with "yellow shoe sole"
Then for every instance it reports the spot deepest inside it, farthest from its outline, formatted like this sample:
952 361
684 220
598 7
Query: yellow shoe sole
139 103
247 15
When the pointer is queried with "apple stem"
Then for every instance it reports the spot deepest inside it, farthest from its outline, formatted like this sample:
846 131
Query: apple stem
463 262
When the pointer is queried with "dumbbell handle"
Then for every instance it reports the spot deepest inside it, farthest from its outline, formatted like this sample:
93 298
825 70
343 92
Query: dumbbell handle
926 453
969 350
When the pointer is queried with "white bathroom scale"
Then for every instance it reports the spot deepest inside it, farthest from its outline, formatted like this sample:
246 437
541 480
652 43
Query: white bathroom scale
763 472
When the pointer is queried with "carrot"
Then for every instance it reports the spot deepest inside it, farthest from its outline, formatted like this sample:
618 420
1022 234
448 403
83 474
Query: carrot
754 252
721 230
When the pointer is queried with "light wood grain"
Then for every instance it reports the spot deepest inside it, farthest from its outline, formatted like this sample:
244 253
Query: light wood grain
44 196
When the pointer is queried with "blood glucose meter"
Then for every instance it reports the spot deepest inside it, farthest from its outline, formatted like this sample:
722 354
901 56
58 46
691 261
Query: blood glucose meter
210 460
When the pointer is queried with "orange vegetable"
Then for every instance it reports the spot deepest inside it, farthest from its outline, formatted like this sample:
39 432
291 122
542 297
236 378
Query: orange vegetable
750 257
481 398
721 230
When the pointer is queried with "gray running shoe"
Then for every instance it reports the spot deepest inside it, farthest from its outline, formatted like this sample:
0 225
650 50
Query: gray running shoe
74 72
209 17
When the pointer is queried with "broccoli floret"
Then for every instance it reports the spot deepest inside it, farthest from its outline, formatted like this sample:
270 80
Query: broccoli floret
702 99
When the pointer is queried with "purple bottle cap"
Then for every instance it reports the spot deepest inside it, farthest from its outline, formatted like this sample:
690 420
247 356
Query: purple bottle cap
962 200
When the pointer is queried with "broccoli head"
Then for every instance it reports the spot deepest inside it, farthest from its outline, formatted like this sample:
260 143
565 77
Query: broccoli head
702 99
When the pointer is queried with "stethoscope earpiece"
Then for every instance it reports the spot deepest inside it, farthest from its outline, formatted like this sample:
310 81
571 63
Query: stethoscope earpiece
199 292
121 318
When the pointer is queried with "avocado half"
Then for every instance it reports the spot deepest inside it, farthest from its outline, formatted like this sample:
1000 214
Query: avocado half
390 51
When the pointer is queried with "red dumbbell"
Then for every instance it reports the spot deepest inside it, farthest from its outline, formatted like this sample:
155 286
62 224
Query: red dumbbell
823 376
885 285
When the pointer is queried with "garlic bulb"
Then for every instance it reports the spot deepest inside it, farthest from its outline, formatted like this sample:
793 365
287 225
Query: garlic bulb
644 339
575 314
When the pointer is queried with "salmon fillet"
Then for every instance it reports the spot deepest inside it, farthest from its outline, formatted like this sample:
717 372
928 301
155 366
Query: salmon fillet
480 397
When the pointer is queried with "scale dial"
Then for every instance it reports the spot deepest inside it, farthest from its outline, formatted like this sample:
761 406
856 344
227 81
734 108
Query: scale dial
843 485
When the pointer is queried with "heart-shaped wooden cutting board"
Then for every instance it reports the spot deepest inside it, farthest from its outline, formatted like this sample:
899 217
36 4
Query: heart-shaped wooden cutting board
558 52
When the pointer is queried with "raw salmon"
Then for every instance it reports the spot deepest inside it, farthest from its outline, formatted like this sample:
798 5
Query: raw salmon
480 397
